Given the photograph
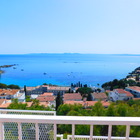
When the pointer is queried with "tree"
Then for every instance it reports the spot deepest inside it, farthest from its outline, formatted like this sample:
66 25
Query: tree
84 91
58 100
25 90
13 86
98 109
28 98
3 85
111 111
16 105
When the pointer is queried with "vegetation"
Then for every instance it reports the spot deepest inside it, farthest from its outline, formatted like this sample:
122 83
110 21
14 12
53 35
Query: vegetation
59 101
120 108
84 91
23 106
9 86
28 98
119 84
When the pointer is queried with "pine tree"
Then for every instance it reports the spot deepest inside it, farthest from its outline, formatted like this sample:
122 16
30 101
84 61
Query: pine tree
58 100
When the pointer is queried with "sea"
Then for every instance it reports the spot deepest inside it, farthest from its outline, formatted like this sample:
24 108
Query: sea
64 69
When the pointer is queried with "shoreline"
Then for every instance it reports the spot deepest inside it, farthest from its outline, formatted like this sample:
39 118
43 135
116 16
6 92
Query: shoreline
1 71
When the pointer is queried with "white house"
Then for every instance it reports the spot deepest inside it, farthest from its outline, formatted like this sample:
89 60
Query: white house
56 89
47 98
12 94
120 94
135 90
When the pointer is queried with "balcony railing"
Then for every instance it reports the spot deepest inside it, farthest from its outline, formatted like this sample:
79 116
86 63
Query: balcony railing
27 112
39 127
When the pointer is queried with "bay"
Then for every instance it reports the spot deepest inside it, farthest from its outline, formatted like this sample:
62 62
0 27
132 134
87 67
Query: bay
67 68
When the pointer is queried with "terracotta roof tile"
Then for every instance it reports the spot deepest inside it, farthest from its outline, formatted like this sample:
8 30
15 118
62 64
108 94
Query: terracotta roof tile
46 104
4 105
46 94
121 91
87 103
72 96
4 92
134 88
58 88
46 99
2 100
99 95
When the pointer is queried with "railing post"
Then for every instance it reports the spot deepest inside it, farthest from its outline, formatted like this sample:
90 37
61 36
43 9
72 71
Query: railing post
37 131
1 131
91 132
55 131
127 132
109 132
73 131
19 132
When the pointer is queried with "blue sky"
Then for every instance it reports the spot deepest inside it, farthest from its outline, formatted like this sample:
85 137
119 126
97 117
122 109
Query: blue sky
70 26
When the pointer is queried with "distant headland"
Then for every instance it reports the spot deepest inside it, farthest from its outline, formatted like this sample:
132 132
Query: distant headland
6 66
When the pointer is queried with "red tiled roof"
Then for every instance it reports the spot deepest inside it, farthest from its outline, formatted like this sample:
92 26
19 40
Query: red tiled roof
108 91
2 100
99 95
46 94
29 104
134 88
4 92
46 99
4 105
136 98
87 103
72 96
46 104
121 91
58 88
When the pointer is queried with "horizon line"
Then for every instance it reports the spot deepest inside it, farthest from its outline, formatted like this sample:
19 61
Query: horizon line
72 53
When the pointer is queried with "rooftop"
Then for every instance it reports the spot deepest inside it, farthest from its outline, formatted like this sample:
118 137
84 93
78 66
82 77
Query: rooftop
46 99
99 95
4 92
72 96
87 103
46 94
136 88
121 91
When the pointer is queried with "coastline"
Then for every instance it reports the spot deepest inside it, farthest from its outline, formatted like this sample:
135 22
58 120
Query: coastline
64 69
1 71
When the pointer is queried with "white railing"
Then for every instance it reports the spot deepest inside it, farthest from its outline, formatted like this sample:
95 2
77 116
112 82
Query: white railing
27 112
39 127
79 137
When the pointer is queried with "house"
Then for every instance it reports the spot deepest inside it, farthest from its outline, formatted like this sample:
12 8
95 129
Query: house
72 97
120 94
12 94
50 100
4 103
33 90
135 90
99 96
55 89
38 90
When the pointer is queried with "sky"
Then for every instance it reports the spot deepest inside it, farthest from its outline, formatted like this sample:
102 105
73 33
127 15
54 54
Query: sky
70 26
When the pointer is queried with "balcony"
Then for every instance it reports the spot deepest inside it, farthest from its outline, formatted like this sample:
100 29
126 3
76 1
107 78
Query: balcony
24 125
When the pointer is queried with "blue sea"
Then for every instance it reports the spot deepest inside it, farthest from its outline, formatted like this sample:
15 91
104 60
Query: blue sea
64 69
